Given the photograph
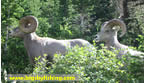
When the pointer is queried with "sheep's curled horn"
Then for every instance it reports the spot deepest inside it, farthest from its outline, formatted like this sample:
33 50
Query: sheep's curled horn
116 22
28 24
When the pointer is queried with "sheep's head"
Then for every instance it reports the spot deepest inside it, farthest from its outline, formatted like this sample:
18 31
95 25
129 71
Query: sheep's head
110 28
27 25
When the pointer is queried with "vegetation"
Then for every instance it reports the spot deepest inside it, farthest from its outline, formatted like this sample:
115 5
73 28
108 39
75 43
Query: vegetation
97 66
67 19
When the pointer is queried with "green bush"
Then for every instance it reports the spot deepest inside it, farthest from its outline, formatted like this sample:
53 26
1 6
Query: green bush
141 42
96 66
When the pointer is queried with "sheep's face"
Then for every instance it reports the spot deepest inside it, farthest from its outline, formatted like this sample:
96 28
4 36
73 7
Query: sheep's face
16 32
27 24
105 34
109 30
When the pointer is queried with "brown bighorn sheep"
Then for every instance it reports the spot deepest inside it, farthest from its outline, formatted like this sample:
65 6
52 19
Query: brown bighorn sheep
108 34
38 46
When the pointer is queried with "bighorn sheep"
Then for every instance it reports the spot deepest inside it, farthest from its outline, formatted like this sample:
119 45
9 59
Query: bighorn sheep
108 34
38 46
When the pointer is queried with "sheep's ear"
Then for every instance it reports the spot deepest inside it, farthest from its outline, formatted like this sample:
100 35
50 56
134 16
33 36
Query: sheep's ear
116 28
28 24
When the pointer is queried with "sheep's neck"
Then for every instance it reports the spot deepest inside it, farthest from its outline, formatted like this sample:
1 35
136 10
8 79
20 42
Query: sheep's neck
30 39
31 36
113 42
